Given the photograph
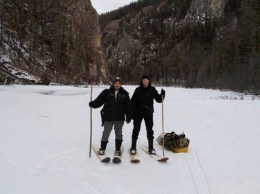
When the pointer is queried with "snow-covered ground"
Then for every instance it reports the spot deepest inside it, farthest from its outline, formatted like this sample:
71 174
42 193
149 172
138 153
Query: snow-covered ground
44 144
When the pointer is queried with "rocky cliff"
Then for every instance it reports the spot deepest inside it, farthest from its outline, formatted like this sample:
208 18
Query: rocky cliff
53 40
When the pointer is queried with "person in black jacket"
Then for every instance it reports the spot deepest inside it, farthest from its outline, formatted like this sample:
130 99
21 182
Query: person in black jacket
142 107
117 109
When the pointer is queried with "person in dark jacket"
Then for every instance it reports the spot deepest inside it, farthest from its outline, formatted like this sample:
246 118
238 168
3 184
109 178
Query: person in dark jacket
142 107
117 109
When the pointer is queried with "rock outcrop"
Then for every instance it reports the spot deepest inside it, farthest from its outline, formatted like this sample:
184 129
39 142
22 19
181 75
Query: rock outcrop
56 40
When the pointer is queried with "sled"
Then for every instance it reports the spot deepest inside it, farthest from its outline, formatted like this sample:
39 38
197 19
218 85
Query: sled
180 150
177 150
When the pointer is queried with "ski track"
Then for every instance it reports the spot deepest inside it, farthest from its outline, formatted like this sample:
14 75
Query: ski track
72 164
197 172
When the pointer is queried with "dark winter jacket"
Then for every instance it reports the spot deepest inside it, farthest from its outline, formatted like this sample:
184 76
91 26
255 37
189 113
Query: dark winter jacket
115 109
143 99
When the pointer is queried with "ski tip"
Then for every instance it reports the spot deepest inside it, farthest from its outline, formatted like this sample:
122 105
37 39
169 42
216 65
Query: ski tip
107 159
116 160
164 159
135 161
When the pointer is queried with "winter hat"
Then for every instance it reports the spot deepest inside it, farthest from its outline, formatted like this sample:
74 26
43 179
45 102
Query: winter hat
117 79
146 77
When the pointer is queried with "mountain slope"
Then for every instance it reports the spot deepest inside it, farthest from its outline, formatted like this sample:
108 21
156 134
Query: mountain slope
192 43
57 41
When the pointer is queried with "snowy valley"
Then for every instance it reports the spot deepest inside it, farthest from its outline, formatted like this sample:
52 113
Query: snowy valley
44 144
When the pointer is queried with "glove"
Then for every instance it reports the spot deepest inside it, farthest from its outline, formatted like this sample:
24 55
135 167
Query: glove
128 120
163 92
90 104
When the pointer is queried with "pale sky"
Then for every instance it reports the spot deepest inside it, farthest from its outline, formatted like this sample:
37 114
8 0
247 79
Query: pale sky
103 6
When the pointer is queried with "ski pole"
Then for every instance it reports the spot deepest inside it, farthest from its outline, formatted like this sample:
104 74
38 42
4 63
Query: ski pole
163 124
90 136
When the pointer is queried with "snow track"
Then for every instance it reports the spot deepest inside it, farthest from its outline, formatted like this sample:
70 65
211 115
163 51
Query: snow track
197 172
72 165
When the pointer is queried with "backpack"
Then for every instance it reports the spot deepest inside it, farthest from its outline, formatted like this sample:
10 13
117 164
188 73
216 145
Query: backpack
174 142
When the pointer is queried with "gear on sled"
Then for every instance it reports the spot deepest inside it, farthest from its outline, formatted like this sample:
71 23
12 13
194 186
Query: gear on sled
174 142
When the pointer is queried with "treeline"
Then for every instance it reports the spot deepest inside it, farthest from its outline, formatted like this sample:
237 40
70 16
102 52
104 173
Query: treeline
128 11
181 47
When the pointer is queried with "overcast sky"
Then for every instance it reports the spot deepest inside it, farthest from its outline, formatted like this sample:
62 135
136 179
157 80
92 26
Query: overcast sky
103 6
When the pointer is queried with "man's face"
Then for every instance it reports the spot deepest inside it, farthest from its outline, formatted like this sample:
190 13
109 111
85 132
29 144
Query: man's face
117 85
145 82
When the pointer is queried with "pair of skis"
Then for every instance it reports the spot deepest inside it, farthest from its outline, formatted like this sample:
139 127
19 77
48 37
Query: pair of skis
134 158
154 156
106 159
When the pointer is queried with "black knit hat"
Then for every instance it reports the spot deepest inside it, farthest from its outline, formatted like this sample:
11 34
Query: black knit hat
117 79
146 77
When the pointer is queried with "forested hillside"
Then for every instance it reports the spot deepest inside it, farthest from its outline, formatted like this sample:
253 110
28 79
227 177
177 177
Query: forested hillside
192 43
53 40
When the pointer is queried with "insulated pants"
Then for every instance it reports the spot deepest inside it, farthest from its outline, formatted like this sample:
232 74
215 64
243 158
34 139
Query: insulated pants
149 127
108 125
